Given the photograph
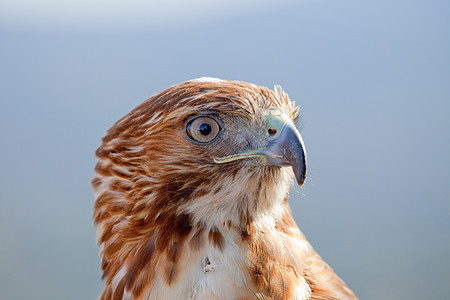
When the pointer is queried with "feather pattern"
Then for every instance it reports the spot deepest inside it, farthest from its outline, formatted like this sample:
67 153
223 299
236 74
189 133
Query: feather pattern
172 224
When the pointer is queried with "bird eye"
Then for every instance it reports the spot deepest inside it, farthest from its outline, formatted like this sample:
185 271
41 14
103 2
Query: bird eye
203 129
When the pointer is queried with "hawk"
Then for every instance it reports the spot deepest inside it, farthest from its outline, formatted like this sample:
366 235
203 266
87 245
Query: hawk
191 199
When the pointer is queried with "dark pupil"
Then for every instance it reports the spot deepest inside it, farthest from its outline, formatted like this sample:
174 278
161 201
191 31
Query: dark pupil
205 128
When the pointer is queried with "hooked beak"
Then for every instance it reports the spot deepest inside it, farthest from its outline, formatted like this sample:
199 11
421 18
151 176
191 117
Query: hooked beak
285 148
288 150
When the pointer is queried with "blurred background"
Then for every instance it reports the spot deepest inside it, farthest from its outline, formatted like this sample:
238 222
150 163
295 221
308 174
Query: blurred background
372 79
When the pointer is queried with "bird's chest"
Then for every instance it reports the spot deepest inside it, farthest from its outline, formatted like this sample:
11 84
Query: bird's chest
222 273
251 269
263 266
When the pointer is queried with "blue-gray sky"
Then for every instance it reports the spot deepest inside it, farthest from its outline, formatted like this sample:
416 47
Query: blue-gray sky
372 79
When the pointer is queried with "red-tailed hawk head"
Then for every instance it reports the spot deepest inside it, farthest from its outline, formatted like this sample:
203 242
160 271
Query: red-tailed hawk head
197 177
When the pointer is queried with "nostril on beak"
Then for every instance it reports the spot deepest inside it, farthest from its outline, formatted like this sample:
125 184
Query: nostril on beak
272 131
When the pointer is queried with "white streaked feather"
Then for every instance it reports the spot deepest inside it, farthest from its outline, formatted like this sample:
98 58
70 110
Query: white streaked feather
213 211
224 278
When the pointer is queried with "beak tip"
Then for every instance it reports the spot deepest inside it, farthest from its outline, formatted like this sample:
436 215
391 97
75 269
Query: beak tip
300 180
300 174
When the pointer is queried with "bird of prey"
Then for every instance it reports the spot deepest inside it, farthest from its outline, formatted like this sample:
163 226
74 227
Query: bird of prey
191 199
